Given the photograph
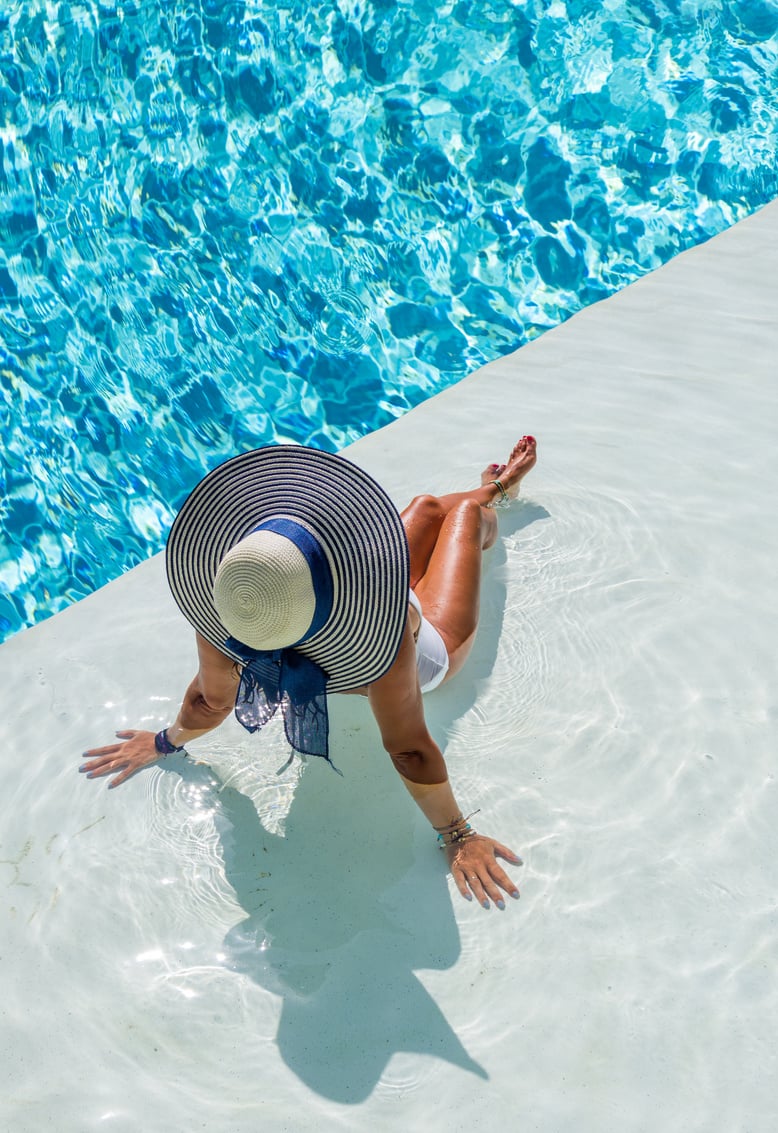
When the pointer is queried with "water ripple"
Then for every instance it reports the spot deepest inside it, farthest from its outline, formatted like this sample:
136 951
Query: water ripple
323 238
343 324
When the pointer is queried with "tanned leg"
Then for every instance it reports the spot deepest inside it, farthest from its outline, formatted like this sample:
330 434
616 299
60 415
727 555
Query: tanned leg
447 536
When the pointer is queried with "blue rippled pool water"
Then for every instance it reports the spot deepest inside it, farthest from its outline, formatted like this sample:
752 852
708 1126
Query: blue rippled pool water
228 222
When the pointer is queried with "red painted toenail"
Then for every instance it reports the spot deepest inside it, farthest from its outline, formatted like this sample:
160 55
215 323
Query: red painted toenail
531 440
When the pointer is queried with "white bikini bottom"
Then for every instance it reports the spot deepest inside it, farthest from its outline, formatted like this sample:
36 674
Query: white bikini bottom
431 652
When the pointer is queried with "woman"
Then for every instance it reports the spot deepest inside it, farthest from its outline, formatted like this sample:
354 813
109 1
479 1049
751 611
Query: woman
301 579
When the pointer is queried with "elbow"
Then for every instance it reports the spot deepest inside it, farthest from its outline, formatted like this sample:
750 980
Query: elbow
214 707
420 765
408 763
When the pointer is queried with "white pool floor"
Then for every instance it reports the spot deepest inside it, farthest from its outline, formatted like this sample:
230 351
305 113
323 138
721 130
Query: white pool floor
215 947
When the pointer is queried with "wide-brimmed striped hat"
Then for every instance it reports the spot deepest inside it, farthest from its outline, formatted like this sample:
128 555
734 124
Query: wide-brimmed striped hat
287 546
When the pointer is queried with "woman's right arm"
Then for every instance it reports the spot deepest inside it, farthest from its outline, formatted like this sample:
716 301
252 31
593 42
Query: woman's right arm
207 702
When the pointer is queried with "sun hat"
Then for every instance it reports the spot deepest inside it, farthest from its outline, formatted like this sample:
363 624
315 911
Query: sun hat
294 562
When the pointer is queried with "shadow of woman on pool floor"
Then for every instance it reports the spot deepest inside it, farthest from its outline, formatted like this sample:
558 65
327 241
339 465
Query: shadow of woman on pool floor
338 918
341 911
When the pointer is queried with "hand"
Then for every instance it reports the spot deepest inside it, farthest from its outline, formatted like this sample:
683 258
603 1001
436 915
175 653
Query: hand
474 866
138 751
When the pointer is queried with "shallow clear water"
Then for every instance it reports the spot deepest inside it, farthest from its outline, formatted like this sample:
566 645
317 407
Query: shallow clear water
216 947
226 222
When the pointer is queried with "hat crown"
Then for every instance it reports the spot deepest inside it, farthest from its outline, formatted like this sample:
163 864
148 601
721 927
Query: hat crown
264 592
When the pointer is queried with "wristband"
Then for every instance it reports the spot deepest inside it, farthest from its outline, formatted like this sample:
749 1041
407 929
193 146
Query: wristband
163 744
461 834
458 830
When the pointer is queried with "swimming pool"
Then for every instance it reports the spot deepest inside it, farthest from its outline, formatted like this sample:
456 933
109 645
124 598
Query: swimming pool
214 947
225 222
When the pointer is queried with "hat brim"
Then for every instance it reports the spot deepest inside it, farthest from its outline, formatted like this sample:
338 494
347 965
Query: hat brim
354 521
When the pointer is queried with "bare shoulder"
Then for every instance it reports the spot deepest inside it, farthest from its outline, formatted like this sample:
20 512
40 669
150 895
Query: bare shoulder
211 656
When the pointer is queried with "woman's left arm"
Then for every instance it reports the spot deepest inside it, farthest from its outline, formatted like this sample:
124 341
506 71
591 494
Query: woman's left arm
396 702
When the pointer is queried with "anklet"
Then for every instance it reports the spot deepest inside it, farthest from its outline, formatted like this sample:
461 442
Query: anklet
504 499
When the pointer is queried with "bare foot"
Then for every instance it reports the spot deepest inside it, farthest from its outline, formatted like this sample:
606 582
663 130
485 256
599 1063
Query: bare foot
510 475
491 473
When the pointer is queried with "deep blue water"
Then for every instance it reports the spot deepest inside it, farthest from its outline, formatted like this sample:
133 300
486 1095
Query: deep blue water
226 222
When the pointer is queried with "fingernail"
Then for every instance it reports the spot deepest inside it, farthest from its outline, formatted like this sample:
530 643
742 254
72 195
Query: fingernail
82 767
518 860
500 904
485 904
515 894
468 896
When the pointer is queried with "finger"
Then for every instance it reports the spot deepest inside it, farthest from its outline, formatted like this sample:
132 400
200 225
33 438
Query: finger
109 749
117 782
466 875
468 882
500 877
104 767
461 883
486 879
458 871
95 765
489 889
503 852
476 883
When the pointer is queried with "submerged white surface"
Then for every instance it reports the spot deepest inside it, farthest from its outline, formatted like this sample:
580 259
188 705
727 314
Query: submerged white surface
218 948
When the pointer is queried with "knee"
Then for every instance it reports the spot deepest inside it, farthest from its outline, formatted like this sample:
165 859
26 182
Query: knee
472 521
467 512
427 508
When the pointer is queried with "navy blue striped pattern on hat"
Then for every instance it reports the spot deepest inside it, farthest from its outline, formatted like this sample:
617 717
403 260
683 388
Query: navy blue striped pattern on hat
350 516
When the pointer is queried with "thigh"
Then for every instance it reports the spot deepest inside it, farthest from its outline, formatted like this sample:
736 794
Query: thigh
449 590
422 521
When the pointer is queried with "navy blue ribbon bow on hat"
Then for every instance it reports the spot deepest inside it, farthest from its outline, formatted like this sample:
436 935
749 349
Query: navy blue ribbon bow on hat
286 678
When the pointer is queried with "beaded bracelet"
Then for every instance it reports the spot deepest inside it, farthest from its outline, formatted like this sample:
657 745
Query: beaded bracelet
164 745
461 834
451 825
455 831
455 822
